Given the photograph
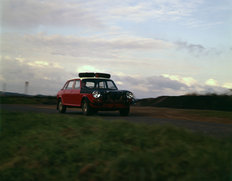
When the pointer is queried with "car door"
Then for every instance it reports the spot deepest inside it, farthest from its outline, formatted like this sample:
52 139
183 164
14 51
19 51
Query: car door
76 97
67 93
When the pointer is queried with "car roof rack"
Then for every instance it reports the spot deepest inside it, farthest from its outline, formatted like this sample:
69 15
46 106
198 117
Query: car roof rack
92 74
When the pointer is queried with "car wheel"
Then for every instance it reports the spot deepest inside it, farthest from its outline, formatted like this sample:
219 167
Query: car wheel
124 112
86 109
61 107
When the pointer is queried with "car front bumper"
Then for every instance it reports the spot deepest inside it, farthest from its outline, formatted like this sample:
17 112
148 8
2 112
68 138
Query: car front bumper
109 106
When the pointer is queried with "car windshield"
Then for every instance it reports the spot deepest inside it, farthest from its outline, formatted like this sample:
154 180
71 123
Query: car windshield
98 84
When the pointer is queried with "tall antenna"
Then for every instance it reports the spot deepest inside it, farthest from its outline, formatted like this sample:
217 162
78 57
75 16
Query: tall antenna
26 87
4 87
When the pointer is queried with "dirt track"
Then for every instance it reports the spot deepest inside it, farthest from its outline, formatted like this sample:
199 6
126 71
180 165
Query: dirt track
147 115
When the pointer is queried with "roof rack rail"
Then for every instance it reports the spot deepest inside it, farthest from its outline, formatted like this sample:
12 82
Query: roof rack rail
92 74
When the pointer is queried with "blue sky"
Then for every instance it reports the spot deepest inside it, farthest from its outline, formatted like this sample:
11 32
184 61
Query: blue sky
153 48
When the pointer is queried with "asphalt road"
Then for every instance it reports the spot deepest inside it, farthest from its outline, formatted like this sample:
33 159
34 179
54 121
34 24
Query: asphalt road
215 129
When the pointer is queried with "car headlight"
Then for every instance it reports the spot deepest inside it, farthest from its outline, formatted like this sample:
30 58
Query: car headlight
129 95
96 94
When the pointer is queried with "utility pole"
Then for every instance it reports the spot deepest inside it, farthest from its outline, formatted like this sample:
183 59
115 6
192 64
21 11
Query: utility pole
26 87
4 87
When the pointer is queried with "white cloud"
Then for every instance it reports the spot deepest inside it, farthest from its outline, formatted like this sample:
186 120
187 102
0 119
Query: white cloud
74 53
227 85
212 82
15 44
95 14
44 78
196 23
33 14
88 68
119 83
20 59
150 10
151 86
219 87
189 81
38 64
118 54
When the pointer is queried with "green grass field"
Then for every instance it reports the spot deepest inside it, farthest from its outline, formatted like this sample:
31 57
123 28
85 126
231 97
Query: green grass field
63 147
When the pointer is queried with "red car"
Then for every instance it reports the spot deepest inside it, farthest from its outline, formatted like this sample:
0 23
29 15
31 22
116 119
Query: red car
94 92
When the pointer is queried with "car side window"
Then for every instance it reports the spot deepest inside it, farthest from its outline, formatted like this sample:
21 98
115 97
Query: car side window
70 84
102 85
65 86
77 84
111 85
90 85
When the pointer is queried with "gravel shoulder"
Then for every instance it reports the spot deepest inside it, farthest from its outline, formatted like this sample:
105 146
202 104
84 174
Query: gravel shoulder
190 119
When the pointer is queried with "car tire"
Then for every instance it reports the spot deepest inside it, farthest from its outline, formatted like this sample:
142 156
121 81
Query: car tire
86 109
61 108
124 112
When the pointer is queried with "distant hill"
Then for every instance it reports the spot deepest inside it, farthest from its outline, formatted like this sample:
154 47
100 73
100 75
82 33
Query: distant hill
211 102
17 98
15 94
12 94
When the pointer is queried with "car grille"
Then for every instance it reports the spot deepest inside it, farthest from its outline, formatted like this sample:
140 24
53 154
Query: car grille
113 97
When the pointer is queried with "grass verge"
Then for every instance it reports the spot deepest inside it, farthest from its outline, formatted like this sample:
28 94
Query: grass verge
62 147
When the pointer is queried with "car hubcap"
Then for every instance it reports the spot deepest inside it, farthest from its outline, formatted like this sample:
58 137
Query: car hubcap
60 106
85 107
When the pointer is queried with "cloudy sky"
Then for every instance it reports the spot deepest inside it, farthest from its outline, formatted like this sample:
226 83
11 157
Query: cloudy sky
151 47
